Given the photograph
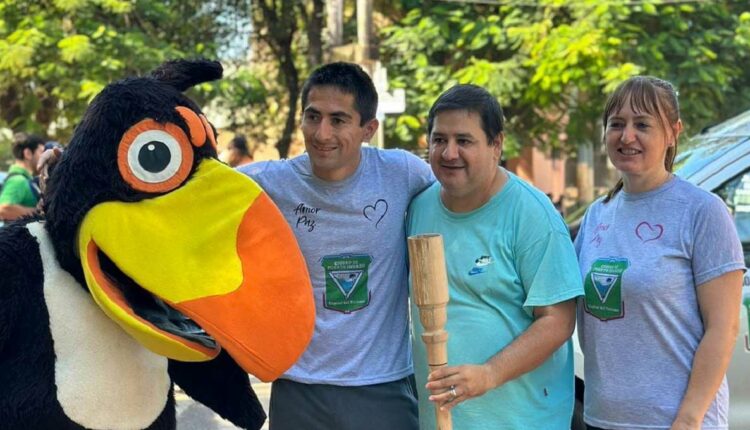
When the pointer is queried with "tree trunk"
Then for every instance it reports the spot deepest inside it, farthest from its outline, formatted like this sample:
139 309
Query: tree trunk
11 106
585 172
280 22
291 77
315 34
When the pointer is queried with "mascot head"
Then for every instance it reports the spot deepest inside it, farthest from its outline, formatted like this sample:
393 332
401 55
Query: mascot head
185 254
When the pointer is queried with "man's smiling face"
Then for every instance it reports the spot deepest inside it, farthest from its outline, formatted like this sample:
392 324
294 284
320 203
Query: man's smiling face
462 158
333 134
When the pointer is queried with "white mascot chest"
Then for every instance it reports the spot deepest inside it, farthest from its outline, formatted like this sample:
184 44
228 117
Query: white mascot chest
104 378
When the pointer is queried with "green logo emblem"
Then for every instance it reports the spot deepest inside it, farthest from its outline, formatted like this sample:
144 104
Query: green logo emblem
603 288
346 282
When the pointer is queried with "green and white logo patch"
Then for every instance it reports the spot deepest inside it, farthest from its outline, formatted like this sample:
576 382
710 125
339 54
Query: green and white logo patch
603 288
346 282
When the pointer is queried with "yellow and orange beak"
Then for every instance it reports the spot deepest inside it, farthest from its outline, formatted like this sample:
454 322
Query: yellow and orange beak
211 264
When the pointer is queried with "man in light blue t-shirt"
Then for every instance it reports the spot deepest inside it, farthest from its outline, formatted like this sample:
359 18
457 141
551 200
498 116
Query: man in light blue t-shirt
513 279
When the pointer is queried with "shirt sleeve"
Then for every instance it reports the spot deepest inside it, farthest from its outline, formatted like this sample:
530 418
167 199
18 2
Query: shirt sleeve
716 248
420 174
580 236
256 171
14 190
548 270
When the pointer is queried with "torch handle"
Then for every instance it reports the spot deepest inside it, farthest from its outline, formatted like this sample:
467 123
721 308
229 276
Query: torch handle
430 294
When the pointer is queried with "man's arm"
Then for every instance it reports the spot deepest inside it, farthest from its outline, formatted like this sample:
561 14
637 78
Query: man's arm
553 325
9 212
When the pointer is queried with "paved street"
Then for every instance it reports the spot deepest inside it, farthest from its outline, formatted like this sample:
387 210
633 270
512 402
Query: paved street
194 416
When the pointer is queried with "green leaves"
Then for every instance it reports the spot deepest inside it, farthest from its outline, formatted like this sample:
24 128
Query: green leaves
74 48
56 55
117 6
552 65
14 57
89 89
70 5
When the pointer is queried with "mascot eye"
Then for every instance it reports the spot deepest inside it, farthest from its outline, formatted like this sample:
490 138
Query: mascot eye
154 157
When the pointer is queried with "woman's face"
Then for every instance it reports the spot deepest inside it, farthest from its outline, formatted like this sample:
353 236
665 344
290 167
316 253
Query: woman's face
637 142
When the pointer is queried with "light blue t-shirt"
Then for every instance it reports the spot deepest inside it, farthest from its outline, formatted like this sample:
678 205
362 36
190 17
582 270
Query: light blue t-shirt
352 235
503 259
642 256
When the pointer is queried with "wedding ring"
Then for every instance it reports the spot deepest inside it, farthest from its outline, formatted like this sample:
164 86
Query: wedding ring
453 392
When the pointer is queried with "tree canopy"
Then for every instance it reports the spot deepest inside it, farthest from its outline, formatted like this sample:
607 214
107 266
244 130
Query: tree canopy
55 55
551 63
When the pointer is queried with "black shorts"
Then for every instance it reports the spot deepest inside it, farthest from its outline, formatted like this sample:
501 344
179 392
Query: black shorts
392 405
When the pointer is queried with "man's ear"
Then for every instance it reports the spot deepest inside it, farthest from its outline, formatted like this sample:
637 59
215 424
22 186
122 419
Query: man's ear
369 129
28 154
497 145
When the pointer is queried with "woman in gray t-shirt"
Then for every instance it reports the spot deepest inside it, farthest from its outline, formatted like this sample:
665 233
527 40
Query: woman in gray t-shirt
662 268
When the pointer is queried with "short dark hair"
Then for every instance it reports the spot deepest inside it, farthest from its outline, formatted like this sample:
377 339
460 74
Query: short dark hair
23 141
471 98
349 79
239 143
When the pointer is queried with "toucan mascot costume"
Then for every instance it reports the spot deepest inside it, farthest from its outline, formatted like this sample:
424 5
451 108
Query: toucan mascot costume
155 264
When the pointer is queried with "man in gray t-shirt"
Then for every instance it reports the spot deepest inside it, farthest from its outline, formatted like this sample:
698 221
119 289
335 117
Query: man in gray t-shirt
346 206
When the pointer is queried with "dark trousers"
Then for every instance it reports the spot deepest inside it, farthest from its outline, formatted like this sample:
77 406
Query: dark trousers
392 405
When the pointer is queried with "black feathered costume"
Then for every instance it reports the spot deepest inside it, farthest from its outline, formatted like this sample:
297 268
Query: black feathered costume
155 264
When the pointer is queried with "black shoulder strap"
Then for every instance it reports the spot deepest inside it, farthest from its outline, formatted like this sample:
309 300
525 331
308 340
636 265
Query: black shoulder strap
10 175
35 191
32 185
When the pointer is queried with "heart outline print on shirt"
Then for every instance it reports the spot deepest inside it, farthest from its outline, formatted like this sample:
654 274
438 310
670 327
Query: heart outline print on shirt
376 212
647 232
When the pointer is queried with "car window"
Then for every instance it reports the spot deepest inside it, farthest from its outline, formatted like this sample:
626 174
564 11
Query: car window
736 195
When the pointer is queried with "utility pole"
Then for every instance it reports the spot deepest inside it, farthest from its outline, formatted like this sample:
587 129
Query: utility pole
335 22
364 32
365 53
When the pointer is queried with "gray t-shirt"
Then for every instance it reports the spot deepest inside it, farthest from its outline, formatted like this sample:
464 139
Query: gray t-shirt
352 235
642 256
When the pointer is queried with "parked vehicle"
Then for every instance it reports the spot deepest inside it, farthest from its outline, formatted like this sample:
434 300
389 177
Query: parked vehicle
717 160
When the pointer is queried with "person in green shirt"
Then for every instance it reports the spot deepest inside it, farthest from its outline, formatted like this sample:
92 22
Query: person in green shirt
19 197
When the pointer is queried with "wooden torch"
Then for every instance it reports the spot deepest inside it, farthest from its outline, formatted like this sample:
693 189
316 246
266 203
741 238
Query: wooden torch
430 294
